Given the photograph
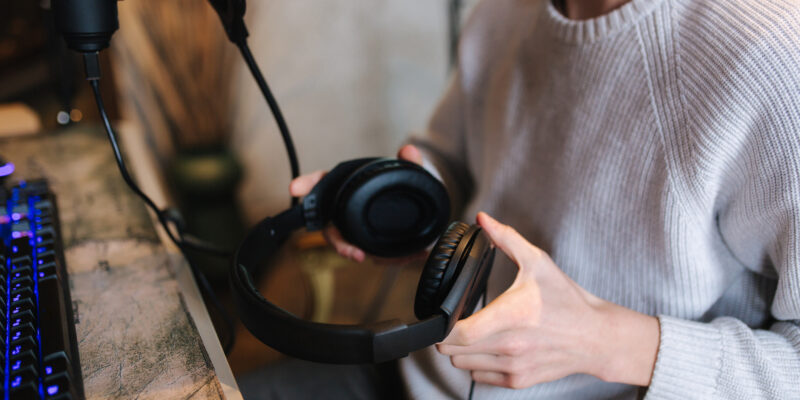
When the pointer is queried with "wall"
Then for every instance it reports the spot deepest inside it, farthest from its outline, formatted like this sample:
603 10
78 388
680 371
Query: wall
353 78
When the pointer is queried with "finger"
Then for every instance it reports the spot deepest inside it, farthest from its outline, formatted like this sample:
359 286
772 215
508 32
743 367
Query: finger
507 239
490 377
303 184
410 153
506 343
498 316
342 247
481 362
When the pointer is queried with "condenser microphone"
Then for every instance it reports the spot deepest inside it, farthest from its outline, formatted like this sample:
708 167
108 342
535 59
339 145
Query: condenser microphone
87 25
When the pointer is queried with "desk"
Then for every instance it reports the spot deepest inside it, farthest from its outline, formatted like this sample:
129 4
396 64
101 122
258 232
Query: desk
142 330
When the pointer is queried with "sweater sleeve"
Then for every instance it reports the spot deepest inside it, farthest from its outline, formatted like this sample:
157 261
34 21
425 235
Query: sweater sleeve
444 145
761 226
759 221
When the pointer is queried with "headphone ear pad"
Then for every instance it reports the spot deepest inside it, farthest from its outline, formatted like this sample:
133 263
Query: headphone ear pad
434 282
391 208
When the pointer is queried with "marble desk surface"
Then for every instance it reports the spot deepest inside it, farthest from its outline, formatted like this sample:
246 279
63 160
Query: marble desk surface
137 334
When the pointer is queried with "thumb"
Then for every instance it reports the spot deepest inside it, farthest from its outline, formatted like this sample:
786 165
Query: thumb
508 240
410 153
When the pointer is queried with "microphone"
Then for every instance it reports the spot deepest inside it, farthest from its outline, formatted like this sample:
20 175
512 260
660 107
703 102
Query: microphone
87 25
231 13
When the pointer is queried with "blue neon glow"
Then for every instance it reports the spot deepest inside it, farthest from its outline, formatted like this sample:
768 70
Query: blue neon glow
16 216
51 390
16 365
16 335
6 169
16 350
16 382
48 370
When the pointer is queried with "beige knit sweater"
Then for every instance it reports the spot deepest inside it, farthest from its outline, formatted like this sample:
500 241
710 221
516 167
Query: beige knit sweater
654 153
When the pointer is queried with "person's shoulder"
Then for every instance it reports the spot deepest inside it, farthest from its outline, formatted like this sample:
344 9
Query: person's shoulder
741 28
740 46
492 30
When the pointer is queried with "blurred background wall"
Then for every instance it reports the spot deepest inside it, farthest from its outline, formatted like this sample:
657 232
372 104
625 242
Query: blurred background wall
353 78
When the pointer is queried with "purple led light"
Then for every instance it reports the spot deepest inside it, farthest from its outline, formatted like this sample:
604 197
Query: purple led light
6 169
16 365
16 216
16 382
16 235
51 390
48 370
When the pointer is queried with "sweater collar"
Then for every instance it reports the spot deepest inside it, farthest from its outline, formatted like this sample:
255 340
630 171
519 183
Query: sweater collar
598 28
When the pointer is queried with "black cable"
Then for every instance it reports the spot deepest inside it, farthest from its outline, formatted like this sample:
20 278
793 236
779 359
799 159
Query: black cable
123 169
273 106
472 384
205 285
93 76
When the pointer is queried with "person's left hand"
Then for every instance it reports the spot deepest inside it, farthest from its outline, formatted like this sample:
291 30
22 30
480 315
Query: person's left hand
545 327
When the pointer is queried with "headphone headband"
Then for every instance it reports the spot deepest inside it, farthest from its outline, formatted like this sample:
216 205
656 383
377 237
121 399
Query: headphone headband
382 203
330 343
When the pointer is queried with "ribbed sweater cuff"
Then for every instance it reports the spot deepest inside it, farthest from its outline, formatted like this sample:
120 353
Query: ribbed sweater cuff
688 361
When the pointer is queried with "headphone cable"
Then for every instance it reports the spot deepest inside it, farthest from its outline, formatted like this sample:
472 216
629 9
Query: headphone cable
472 381
241 43
92 65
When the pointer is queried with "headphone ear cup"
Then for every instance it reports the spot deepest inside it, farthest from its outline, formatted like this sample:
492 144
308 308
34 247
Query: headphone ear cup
391 208
434 282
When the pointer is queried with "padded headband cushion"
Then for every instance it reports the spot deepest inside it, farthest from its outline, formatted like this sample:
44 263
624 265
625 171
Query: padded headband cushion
391 208
432 288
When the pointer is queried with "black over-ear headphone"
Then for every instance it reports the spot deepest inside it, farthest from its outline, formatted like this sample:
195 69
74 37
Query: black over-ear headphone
389 208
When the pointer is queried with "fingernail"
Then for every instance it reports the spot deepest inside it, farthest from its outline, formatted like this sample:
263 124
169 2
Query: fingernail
359 255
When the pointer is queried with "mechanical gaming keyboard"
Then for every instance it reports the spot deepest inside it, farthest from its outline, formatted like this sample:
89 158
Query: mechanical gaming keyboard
39 352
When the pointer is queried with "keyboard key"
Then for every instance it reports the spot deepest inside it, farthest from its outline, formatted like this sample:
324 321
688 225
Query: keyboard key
20 246
53 318
22 331
56 363
20 379
47 270
57 384
45 206
28 359
21 319
21 262
21 272
23 390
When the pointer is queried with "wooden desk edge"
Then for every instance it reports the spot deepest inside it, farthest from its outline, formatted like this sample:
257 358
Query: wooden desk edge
143 163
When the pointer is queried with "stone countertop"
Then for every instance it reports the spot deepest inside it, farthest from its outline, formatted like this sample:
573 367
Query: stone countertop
136 336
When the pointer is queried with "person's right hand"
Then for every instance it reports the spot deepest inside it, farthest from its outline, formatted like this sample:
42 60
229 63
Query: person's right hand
303 184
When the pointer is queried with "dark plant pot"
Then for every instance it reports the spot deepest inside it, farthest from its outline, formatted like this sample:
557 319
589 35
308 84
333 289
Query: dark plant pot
205 181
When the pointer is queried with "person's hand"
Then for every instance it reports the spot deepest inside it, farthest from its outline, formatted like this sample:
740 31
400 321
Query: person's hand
545 327
302 185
